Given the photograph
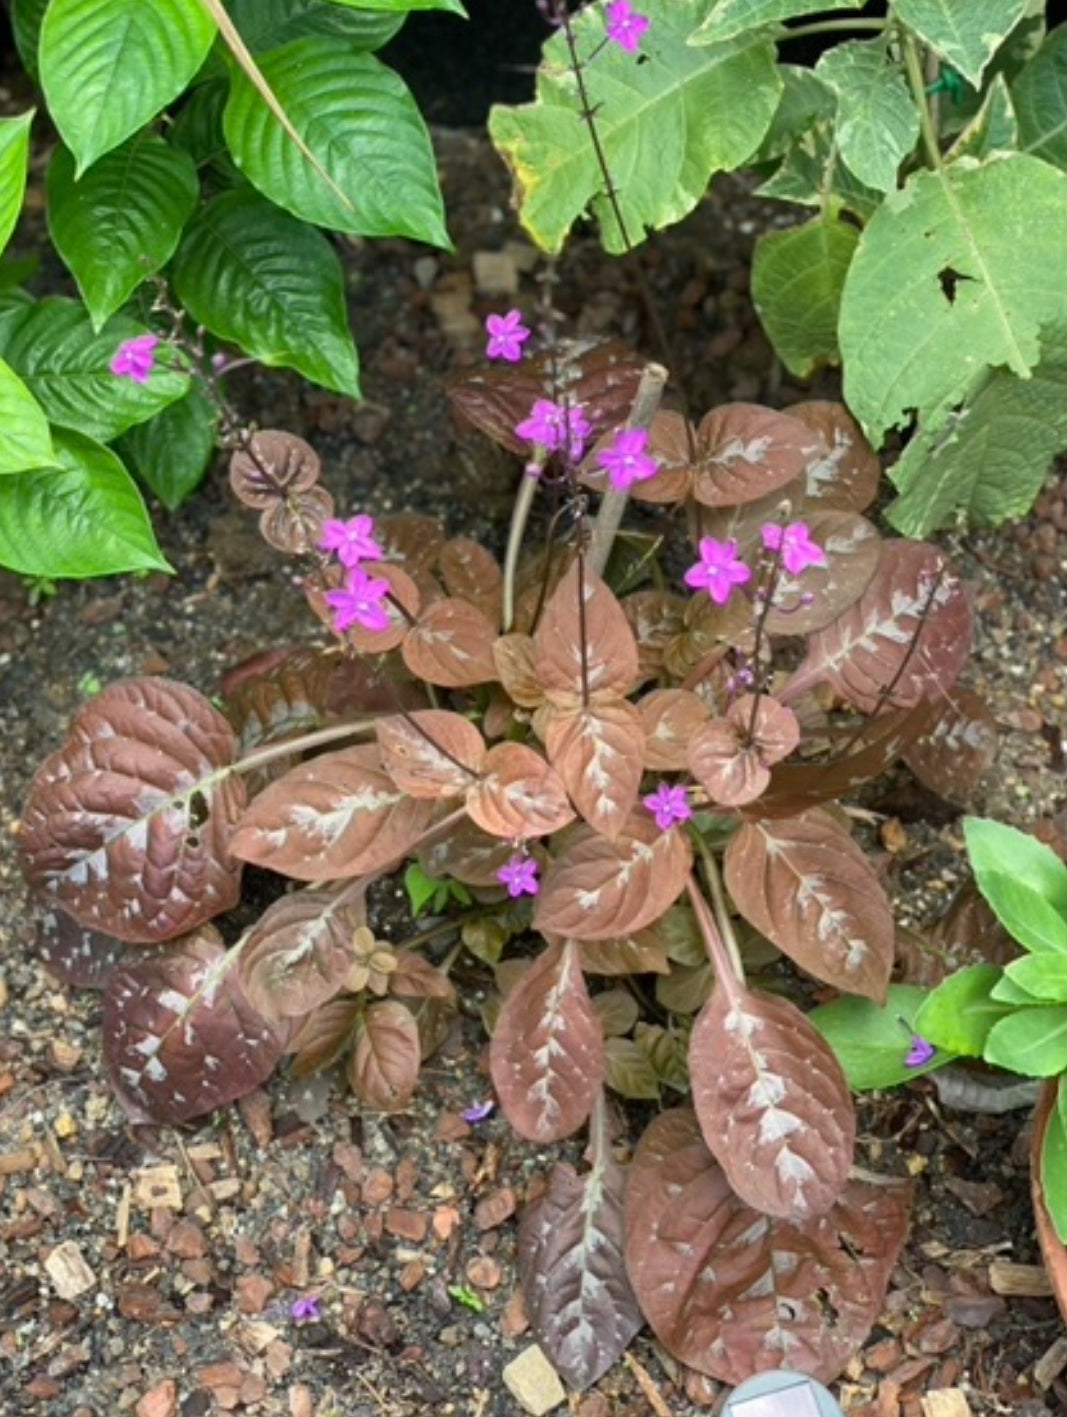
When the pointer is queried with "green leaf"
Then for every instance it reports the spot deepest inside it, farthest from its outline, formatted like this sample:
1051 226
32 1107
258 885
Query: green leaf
25 441
1042 975
260 279
803 101
950 277
172 451
1006 991
121 222
993 128
83 517
197 127
1054 1165
108 66
959 1013
1025 913
797 277
268 24
965 33
987 463
871 1041
1030 1041
995 848
734 17
54 349
665 125
877 121
363 127
14 155
401 7
1039 92
26 17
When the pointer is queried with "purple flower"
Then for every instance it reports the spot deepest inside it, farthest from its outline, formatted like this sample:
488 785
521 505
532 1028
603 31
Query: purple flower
668 805
507 334
718 570
625 26
359 602
479 1112
920 1052
794 542
554 426
351 541
306 1307
135 358
520 876
626 461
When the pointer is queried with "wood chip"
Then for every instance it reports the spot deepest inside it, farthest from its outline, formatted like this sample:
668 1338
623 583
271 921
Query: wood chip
157 1186
644 1381
533 1382
1022 1280
945 1402
1051 1363
26 1158
68 1271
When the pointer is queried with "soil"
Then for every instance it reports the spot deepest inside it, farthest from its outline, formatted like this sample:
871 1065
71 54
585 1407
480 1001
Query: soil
154 1269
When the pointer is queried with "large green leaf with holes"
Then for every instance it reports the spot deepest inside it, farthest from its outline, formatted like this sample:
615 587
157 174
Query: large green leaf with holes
1039 93
665 125
965 33
954 275
733 17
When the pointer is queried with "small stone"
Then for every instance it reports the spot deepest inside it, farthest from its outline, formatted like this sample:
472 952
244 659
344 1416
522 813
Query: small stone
68 1271
159 1401
533 1382
187 1241
255 1110
407 1224
494 1209
253 1293
378 1186
484 1272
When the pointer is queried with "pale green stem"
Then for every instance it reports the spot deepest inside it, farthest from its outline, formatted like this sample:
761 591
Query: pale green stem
917 84
520 515
613 503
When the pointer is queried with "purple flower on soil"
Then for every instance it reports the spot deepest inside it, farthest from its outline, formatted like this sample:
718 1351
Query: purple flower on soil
507 334
795 545
920 1052
520 876
305 1308
718 570
351 541
626 461
668 805
554 426
479 1112
359 602
135 358
625 25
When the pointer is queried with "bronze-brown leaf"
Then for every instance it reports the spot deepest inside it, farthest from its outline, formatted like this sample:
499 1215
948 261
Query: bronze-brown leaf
670 717
584 644
746 451
384 1065
430 753
519 794
731 757
273 466
598 752
451 645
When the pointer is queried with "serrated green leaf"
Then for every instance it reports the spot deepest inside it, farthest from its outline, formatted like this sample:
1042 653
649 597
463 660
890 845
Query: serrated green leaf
954 274
992 129
363 127
25 441
965 33
1054 1165
665 125
1039 92
14 155
26 17
258 278
813 174
987 463
877 121
109 66
734 17
797 278
804 100
871 1041
959 1013
629 1071
84 517
1042 975
1030 1041
121 222
171 452
64 362
994 848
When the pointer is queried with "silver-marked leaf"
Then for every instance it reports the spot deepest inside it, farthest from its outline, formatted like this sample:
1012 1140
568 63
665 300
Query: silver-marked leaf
670 717
734 1293
846 477
600 889
960 748
337 815
298 952
773 1104
746 451
128 825
805 884
573 1273
384 1066
731 757
81 958
519 794
468 854
451 645
655 617
547 1053
598 752
471 573
584 644
907 636
430 753
180 1037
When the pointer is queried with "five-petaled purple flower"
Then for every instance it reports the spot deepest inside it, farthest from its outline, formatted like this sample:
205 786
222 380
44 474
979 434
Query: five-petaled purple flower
625 25
556 426
920 1052
520 876
479 1112
668 805
626 461
306 1307
795 546
351 541
718 570
135 358
359 602
507 334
